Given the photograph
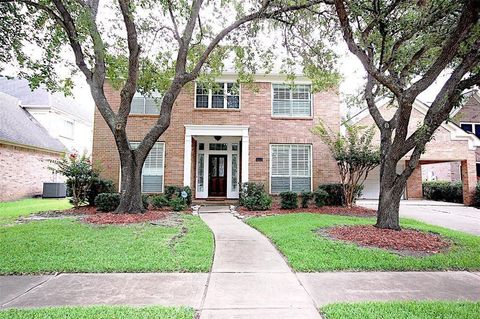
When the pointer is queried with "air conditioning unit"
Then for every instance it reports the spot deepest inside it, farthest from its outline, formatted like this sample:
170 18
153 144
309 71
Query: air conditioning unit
54 190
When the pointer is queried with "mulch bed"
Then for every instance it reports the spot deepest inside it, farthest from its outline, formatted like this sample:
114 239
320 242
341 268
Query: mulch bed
92 216
111 218
407 242
356 211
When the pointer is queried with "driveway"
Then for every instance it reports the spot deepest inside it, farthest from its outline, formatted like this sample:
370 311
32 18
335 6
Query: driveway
448 215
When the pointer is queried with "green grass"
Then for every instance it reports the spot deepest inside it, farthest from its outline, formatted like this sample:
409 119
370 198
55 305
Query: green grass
9 211
67 245
403 310
100 312
295 237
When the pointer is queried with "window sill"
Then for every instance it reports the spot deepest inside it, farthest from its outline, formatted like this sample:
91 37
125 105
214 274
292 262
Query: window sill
215 110
145 115
303 118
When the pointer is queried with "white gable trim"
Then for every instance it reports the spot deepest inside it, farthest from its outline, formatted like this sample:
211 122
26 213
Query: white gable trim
456 133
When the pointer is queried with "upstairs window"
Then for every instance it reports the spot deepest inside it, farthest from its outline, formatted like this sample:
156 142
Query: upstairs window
223 95
145 105
291 168
291 101
471 128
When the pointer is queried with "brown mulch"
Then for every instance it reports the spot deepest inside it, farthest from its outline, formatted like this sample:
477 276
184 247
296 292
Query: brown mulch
405 242
111 218
356 211
92 216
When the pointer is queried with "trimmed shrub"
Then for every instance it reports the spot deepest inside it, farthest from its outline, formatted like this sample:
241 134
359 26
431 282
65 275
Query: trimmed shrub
321 197
306 198
443 191
335 194
289 200
178 204
159 201
476 199
99 186
107 202
254 197
145 201
173 191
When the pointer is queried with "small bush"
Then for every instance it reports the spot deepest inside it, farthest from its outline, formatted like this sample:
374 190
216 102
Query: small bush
160 201
306 198
336 196
254 197
334 192
289 200
321 197
99 186
178 204
476 199
107 202
173 191
145 201
443 191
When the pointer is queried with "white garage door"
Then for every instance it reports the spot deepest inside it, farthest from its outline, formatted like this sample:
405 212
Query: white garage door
371 186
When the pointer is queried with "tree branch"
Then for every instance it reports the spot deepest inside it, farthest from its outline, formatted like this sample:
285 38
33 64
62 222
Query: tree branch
362 55
467 20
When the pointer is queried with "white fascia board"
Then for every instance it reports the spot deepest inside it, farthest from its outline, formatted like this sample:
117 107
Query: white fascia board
221 130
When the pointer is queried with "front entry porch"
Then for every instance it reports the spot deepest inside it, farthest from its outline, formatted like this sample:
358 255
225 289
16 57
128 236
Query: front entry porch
217 157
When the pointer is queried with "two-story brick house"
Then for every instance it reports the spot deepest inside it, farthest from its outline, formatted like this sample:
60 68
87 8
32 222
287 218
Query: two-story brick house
221 137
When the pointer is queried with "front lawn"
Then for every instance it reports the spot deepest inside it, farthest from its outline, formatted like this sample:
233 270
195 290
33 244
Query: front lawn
296 237
9 211
403 310
68 245
101 312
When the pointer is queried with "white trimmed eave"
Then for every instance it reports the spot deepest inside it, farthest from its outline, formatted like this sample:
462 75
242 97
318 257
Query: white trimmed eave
211 130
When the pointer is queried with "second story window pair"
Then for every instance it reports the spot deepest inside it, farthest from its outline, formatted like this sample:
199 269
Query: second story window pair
145 105
223 95
291 101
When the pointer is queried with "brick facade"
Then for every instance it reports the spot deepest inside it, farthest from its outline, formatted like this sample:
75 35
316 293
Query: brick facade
255 112
470 113
23 171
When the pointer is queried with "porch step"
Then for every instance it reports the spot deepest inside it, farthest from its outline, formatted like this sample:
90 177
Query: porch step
215 202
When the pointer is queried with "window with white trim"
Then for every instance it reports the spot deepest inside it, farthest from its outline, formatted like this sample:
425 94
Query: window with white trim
478 170
291 101
471 128
223 95
291 168
153 168
145 104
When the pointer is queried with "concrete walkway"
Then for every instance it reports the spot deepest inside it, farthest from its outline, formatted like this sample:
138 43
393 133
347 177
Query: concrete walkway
249 278
448 215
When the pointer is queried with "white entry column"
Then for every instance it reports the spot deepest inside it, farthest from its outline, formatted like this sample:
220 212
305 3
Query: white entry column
245 155
187 163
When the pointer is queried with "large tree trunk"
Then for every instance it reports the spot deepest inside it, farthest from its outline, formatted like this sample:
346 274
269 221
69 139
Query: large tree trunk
131 186
391 190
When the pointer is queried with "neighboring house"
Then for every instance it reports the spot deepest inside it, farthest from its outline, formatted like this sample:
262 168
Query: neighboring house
450 144
221 138
25 151
63 117
468 118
